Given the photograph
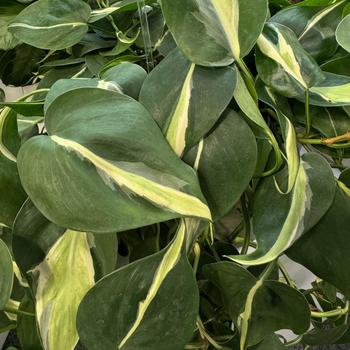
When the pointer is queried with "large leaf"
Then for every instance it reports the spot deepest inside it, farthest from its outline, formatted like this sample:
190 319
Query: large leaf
153 306
279 220
282 62
59 293
6 275
60 24
314 27
215 32
8 11
97 171
186 100
342 33
323 249
258 306
226 162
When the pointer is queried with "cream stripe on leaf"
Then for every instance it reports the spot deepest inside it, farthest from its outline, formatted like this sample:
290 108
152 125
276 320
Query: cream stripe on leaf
226 26
63 23
59 293
186 100
292 210
115 181
6 275
314 27
282 62
161 289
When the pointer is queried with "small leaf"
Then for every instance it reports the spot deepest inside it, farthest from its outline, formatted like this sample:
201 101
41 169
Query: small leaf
59 293
342 33
61 24
6 275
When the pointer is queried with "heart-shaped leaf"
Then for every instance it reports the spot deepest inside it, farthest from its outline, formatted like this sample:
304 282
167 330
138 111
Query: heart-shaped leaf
106 177
225 26
6 275
186 100
61 24
153 296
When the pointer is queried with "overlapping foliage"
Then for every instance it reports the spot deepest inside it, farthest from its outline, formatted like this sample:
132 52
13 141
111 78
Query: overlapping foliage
171 155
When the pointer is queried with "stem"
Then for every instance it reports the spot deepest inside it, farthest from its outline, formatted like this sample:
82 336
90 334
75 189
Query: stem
286 275
205 336
15 311
332 313
246 225
307 113
331 142
32 93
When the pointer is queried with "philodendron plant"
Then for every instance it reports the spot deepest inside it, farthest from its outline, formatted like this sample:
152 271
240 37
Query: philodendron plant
170 155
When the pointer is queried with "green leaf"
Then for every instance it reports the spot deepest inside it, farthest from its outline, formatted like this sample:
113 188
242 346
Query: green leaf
257 121
324 336
154 304
33 236
226 161
269 343
314 27
332 91
59 293
8 11
128 76
61 24
279 220
6 275
215 32
257 306
329 238
186 100
342 33
106 177
25 108
283 64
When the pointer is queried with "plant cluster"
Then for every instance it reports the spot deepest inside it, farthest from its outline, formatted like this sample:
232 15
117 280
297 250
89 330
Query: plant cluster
171 154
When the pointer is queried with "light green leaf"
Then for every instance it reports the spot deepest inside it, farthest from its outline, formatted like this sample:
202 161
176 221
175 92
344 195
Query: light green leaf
8 11
225 161
6 275
115 182
314 27
249 300
330 239
61 24
283 64
152 296
186 100
279 220
342 33
59 293
215 32
332 91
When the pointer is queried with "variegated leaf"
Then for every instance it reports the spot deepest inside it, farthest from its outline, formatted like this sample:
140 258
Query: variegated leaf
252 112
283 64
105 147
59 293
158 292
60 25
314 27
342 33
258 306
225 26
279 220
6 274
282 109
186 100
